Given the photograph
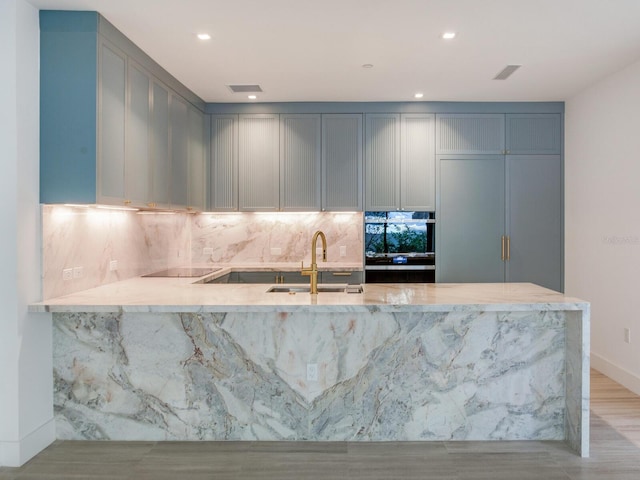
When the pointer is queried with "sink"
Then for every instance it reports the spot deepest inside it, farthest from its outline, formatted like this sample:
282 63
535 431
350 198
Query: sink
321 289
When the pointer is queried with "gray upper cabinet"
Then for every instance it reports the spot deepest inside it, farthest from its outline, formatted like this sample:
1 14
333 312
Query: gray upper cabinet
534 220
382 161
400 162
178 138
529 134
258 162
300 162
105 113
417 162
138 160
470 218
224 163
197 161
470 134
112 83
159 146
342 162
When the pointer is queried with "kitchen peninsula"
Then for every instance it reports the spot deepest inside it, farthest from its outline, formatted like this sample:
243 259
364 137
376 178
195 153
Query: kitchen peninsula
170 359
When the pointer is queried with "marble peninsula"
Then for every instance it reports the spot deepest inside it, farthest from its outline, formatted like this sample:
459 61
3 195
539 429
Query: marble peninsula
170 359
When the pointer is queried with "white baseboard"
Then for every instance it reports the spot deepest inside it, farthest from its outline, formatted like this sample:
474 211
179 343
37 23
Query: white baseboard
617 373
16 454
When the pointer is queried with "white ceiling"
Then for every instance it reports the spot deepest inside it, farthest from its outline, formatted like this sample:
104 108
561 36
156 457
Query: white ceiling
313 50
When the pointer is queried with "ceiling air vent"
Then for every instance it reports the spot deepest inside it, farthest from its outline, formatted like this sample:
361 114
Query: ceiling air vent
507 72
245 88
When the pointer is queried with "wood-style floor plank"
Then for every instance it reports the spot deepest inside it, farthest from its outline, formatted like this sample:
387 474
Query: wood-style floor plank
615 455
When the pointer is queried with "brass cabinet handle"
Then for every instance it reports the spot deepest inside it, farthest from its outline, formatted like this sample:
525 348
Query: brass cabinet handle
151 204
341 274
502 248
127 202
508 248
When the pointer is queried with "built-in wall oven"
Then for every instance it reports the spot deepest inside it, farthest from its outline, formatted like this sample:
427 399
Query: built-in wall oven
399 247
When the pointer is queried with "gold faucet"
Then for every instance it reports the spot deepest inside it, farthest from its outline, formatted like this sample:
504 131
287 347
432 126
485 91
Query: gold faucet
313 270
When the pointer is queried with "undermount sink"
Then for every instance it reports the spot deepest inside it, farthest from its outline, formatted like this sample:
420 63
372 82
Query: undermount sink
321 289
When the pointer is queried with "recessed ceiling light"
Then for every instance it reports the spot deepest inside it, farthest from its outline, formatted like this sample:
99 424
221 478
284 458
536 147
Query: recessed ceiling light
204 36
419 95
367 65
252 97
449 35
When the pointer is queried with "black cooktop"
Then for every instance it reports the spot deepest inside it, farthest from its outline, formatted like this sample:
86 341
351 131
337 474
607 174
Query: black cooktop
183 272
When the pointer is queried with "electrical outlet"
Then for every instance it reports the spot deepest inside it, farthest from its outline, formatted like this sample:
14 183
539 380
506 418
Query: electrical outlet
627 335
207 251
113 265
67 274
343 250
275 251
312 372
78 272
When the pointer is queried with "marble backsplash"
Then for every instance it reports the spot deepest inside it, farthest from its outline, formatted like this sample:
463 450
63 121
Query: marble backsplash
90 238
250 238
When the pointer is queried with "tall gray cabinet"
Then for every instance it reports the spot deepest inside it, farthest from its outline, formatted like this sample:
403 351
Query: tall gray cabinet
499 199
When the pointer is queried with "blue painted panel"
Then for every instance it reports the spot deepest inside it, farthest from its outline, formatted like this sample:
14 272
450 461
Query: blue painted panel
68 78
68 21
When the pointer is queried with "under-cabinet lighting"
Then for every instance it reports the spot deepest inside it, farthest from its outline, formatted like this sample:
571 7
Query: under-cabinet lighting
418 95
252 97
76 205
204 36
111 207
148 212
448 35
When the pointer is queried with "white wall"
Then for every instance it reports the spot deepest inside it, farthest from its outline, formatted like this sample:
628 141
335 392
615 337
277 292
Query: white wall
26 412
602 229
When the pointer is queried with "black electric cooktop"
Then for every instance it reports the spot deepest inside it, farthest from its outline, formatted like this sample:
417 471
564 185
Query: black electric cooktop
183 272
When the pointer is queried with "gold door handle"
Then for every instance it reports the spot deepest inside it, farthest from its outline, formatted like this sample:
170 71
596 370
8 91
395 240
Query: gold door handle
502 257
508 248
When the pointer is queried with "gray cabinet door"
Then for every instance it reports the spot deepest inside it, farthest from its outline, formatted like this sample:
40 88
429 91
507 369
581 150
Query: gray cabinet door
417 160
382 161
160 154
534 220
342 162
470 133
470 218
258 160
179 151
137 165
300 157
197 164
111 121
534 134
224 163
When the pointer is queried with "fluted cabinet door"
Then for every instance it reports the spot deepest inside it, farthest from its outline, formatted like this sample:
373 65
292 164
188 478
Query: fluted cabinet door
470 218
224 163
417 160
197 165
178 112
342 162
137 164
160 154
111 121
530 134
258 159
470 134
382 161
300 158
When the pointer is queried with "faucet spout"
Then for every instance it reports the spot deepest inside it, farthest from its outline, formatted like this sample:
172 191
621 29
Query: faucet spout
312 271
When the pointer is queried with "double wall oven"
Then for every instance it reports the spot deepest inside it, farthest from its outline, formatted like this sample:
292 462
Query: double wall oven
399 247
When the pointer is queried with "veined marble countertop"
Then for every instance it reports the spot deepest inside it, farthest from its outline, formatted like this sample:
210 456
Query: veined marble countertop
192 295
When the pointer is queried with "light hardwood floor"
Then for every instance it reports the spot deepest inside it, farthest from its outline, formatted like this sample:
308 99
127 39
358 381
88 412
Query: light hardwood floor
615 455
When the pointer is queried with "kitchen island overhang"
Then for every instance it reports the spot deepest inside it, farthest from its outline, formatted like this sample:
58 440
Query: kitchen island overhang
395 363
